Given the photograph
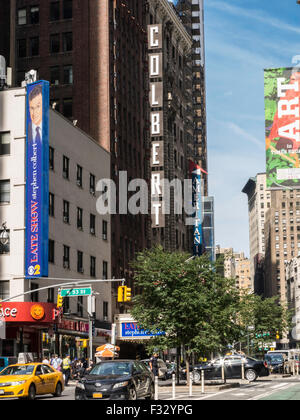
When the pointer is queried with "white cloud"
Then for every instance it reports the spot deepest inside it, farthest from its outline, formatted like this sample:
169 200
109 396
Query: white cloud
254 14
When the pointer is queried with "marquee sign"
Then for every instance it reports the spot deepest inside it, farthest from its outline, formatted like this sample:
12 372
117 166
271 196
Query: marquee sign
156 97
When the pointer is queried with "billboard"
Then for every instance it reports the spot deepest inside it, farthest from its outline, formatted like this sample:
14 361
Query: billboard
282 100
37 180
197 204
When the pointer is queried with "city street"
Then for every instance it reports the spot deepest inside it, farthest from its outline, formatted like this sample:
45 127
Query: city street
263 389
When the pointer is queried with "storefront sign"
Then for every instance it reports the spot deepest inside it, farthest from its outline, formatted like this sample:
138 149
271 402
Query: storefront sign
27 312
76 326
37 180
132 329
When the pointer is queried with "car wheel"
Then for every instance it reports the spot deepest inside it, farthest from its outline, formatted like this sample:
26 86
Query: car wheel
197 377
251 375
31 393
132 394
151 396
58 390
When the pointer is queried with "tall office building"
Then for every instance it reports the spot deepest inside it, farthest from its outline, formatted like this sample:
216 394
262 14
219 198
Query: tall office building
171 124
191 13
259 201
93 53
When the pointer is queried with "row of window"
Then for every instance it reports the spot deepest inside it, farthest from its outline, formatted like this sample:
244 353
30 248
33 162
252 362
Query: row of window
58 43
66 261
66 171
31 15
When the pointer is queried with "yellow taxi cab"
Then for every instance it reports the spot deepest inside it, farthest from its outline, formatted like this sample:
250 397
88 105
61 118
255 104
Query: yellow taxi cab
29 380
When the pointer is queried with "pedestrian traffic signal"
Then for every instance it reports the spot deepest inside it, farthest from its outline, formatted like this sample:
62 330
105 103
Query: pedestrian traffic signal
60 301
127 294
121 293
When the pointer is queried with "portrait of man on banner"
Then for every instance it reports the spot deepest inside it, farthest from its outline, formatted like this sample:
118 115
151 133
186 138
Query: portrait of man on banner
35 127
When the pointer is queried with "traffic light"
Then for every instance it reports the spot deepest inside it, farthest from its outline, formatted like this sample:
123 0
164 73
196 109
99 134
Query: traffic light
127 297
277 335
121 293
60 301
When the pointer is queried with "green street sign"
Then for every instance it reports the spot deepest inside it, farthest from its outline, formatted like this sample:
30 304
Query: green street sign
82 291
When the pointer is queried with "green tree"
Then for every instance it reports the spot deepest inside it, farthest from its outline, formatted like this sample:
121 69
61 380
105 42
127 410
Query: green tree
190 301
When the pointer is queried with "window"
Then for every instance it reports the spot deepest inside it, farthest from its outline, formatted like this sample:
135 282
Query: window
54 75
93 267
22 17
34 46
5 192
68 75
80 306
51 204
50 295
51 158
54 11
68 108
92 184
79 218
66 167
104 230
93 224
4 290
105 311
66 258
79 176
66 212
67 41
5 246
4 144
34 294
54 44
22 50
68 9
80 262
34 15
105 270
51 251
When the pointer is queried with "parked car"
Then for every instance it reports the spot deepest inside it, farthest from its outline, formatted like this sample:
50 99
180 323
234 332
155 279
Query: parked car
26 381
116 380
232 369
275 362
162 368
172 369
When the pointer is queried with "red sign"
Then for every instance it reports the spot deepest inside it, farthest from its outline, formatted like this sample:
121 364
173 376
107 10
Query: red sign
35 313
70 325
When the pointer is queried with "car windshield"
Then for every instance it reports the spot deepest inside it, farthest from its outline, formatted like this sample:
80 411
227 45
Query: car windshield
18 370
117 368
274 357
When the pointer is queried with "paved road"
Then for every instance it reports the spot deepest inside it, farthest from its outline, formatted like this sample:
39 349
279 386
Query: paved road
263 389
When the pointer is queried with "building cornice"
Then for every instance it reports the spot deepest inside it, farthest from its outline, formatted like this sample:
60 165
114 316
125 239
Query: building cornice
169 13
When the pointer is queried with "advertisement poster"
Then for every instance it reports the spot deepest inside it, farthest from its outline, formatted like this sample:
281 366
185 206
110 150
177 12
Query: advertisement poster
282 101
37 180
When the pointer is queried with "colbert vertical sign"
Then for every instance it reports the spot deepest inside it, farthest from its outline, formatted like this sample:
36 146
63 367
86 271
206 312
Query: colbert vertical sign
37 180
155 43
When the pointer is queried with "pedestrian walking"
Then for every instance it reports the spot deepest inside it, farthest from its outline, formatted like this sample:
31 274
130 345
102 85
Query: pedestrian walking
46 361
154 364
66 368
55 362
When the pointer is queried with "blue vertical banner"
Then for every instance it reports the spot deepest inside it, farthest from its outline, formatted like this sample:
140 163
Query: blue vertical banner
197 204
37 180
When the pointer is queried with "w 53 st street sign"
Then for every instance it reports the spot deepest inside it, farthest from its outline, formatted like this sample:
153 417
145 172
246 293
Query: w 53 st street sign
80 291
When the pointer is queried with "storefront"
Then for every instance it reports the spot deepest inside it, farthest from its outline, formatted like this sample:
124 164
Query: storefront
24 323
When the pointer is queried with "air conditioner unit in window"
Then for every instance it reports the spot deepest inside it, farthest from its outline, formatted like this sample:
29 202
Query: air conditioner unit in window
92 191
92 231
66 219
81 270
105 318
78 182
66 265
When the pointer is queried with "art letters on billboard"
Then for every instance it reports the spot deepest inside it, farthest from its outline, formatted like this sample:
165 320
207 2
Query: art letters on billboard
282 108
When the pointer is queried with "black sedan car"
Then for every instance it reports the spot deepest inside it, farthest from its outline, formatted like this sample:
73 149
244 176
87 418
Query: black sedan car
116 380
232 369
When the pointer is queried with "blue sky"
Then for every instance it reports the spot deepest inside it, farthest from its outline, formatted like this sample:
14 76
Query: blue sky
242 38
